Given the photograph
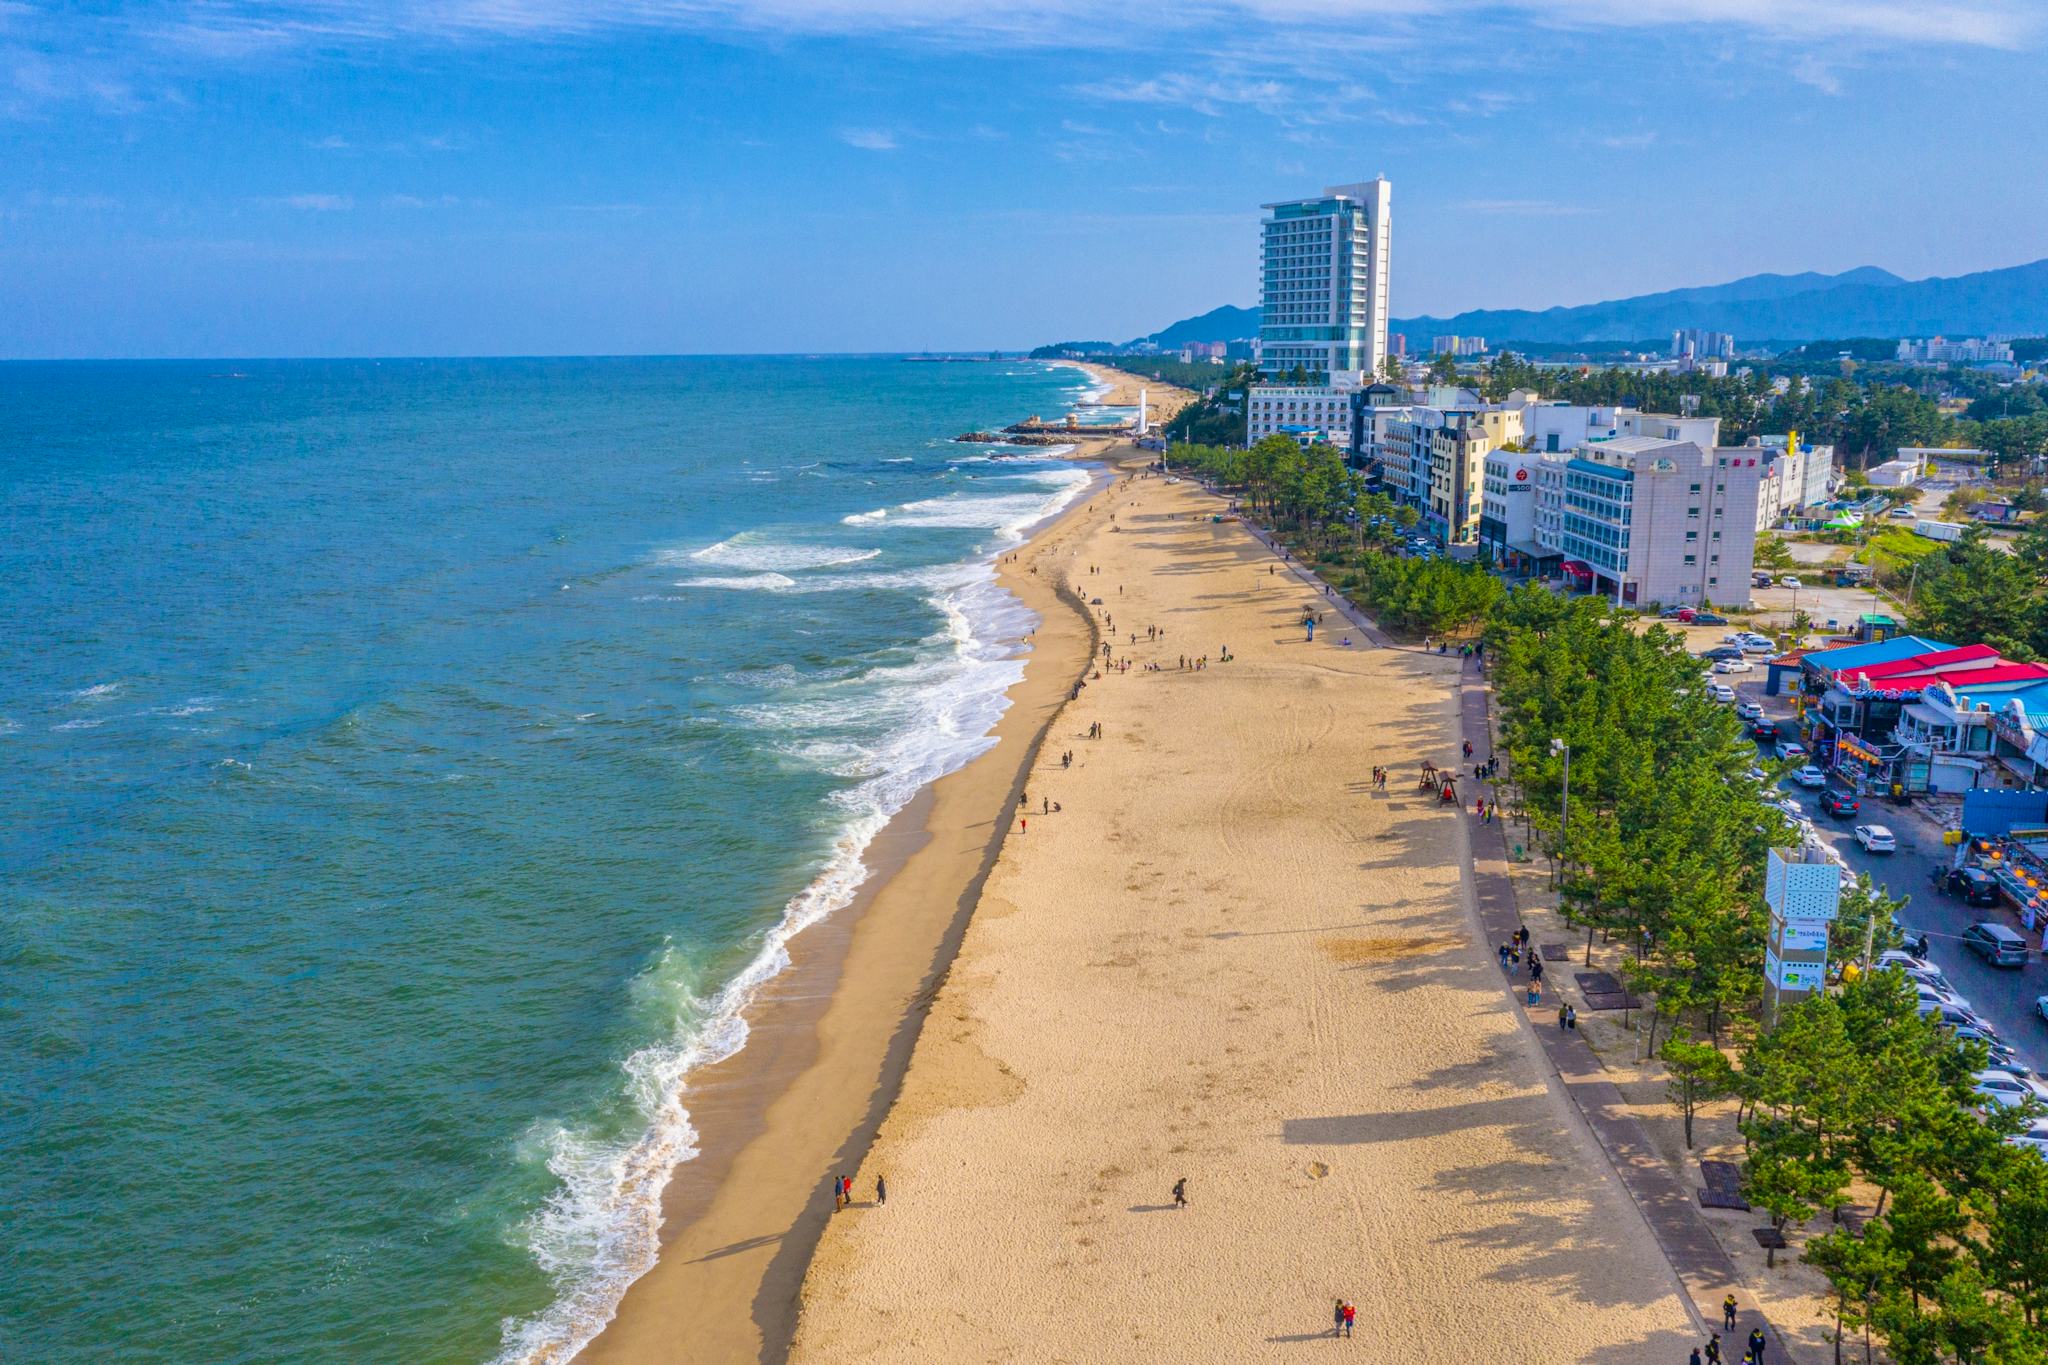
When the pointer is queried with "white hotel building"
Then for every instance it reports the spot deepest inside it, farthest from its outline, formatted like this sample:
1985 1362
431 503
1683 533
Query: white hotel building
1323 276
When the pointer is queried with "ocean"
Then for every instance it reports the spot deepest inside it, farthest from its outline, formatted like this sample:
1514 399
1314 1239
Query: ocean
407 771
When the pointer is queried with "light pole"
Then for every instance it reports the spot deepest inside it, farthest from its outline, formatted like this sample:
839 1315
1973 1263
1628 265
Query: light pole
1564 823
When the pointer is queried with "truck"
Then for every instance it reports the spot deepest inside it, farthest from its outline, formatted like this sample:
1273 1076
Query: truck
1938 530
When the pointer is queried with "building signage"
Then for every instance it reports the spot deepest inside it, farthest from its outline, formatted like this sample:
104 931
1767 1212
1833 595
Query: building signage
1794 976
1803 936
2015 735
1847 744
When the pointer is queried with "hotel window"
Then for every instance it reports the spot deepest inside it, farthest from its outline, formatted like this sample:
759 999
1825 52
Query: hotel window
1692 559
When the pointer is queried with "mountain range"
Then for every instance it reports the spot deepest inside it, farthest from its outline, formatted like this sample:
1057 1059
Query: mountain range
1864 302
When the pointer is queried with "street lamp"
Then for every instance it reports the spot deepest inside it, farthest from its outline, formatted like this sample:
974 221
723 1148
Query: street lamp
1564 823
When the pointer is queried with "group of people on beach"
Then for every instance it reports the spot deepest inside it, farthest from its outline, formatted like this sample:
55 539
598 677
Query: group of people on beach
1710 1354
842 1192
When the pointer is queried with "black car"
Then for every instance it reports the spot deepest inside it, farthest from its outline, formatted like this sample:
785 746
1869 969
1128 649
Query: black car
1973 885
1720 652
1709 618
1840 803
1764 730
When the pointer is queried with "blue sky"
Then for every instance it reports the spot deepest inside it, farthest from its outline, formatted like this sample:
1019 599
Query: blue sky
229 177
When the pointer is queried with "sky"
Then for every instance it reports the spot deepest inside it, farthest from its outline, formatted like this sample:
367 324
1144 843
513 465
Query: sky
486 177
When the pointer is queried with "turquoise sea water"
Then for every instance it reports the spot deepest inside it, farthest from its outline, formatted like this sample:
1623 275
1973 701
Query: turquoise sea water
406 769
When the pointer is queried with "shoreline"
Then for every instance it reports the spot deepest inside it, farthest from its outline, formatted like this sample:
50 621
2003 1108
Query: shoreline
830 1036
1235 968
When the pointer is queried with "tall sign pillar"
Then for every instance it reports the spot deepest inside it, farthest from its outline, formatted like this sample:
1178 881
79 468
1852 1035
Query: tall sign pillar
1804 891
1142 427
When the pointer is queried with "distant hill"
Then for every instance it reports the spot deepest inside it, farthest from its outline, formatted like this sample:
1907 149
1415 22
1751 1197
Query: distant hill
1218 324
1865 302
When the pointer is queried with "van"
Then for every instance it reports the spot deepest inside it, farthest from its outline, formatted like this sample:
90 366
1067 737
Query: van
1996 944
1759 579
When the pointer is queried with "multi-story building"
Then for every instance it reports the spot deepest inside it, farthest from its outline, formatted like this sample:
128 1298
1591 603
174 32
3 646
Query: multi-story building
1650 520
1942 351
1692 343
1567 426
1323 283
1507 513
1458 346
1271 407
1456 465
1794 479
1404 453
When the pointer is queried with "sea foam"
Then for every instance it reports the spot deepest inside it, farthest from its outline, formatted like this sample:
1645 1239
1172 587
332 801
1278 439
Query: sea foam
890 730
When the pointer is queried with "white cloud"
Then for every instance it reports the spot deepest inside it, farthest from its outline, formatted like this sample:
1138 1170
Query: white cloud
319 203
1623 142
869 139
1810 71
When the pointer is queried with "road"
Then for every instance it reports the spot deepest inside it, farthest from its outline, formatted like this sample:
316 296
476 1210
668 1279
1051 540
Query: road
2002 995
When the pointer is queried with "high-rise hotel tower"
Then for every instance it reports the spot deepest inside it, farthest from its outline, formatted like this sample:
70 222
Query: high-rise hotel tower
1323 284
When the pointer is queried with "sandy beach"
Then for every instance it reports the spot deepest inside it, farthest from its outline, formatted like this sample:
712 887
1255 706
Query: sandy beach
1226 958
829 1038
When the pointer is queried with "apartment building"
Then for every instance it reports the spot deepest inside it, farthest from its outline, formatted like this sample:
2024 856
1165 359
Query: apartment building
1323 283
1794 480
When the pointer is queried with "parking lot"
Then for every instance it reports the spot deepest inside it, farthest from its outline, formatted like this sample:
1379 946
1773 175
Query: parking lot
2003 996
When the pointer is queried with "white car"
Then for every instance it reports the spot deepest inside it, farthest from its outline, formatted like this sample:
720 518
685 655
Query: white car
2035 1135
1721 692
1810 776
1790 581
1749 710
2041 1005
1876 839
2008 1091
1789 749
1735 666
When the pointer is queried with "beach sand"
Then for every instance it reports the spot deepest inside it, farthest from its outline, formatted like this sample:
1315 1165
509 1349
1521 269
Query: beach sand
1227 959
829 1037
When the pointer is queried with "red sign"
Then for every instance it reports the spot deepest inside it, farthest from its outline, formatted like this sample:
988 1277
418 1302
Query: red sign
1521 476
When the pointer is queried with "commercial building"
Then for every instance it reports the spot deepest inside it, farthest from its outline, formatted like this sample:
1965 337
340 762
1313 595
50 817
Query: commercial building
1323 283
1458 346
1649 520
1903 472
1271 407
1456 467
1567 426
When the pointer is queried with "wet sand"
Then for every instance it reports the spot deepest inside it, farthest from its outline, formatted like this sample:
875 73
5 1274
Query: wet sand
829 1037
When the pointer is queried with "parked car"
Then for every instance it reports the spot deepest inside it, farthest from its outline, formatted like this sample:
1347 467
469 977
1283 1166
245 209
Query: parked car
2034 1135
1750 711
1789 580
1758 645
1998 944
1721 692
1735 665
1972 885
1906 513
1840 804
1810 776
1709 618
1876 839
2041 1006
1999 1054
1721 652
1789 749
1685 615
1957 1016
2008 1091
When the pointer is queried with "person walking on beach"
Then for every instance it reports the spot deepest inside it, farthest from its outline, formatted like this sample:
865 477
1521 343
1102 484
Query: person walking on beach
1713 1348
1757 1344
1728 1314
881 1190
1180 1193
1350 1318
1337 1319
838 1193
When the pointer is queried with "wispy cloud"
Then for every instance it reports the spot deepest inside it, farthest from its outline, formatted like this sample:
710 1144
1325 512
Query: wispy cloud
1624 142
1809 70
869 139
1524 208
317 203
